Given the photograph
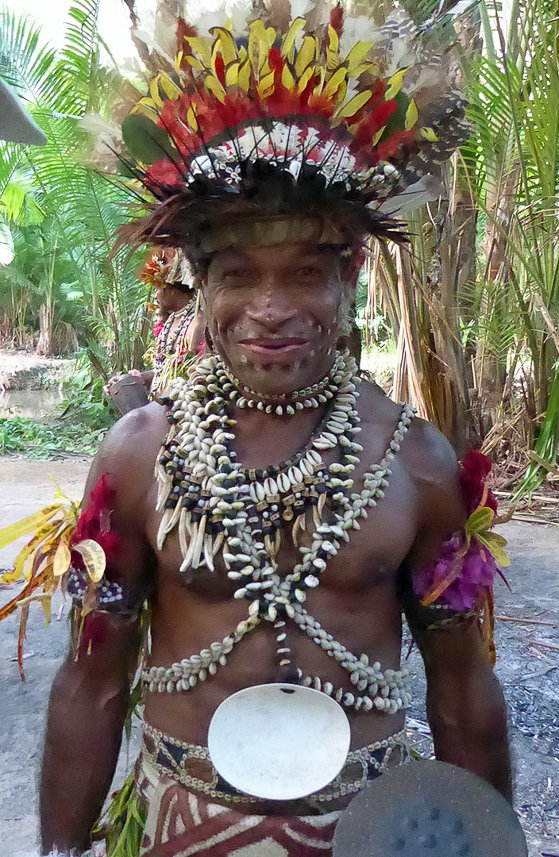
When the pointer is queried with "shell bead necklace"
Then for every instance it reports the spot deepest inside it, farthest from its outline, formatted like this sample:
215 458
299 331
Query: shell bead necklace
216 505
285 404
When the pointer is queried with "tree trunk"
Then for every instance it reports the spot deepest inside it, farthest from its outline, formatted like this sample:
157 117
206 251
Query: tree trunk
46 321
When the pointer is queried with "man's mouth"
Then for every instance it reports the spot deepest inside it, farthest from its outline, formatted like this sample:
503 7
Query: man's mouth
270 346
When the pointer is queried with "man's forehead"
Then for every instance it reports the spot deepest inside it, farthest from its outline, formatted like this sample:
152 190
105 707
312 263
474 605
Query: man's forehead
268 253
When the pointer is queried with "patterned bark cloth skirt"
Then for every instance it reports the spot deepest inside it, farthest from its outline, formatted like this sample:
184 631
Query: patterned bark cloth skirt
190 810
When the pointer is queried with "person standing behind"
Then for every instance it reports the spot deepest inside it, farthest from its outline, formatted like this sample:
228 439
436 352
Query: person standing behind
179 331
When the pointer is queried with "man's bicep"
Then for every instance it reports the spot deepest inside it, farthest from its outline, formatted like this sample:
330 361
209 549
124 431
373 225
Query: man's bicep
114 513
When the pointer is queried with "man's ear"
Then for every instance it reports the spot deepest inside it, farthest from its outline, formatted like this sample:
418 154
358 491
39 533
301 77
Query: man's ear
352 266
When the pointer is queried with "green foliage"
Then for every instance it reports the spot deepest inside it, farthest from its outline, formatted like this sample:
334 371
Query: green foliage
34 439
87 291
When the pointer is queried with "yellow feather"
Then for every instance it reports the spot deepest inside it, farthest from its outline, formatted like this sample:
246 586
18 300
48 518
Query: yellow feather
178 61
289 38
412 115
356 56
378 135
169 87
154 92
353 105
333 49
335 82
287 78
226 44
202 48
144 106
213 85
266 85
306 55
304 79
191 119
395 83
365 67
195 63
232 74
244 76
257 45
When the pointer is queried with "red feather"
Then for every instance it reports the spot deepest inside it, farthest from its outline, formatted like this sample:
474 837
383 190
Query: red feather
337 20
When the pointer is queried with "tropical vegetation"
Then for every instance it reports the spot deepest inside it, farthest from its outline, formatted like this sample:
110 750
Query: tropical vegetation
471 306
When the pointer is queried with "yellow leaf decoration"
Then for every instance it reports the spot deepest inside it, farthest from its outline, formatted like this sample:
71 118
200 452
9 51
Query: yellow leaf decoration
62 559
226 43
169 87
94 558
202 48
481 519
333 49
27 525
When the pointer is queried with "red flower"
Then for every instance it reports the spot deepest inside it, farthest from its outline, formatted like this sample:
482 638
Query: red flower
95 521
474 470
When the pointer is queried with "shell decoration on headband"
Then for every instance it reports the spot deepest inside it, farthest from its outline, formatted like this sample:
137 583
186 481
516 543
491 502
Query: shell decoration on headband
364 111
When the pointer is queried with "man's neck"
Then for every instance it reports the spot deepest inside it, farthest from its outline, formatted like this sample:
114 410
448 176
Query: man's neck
262 439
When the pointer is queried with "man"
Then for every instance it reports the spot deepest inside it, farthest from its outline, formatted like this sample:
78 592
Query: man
180 334
296 511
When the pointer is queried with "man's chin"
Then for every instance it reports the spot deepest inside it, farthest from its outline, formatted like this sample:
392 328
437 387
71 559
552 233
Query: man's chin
272 378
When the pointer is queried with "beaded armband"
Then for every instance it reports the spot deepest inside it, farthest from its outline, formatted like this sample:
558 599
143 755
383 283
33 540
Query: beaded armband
457 585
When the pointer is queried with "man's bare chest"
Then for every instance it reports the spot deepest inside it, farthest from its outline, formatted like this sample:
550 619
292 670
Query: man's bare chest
368 557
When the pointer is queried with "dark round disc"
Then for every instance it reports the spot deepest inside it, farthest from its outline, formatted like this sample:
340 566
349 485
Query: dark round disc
429 809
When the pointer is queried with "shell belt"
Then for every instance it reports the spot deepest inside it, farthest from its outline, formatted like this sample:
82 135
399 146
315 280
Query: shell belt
204 493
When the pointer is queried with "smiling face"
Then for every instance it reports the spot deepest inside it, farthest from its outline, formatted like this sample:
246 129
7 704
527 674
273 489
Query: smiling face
274 313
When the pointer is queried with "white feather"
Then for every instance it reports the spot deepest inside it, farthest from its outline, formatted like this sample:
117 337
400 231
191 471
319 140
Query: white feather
239 11
425 190
358 29
299 8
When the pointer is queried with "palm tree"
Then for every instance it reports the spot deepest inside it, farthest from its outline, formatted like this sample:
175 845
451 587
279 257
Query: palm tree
83 207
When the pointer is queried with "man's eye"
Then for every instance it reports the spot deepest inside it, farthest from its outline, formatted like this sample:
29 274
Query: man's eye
309 271
236 273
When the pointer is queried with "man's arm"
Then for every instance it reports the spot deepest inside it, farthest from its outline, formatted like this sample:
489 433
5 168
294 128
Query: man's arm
90 694
88 705
465 705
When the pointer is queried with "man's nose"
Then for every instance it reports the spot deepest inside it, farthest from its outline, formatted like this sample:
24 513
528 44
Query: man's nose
271 308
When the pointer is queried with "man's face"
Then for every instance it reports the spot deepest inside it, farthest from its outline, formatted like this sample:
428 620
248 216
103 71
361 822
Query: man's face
273 313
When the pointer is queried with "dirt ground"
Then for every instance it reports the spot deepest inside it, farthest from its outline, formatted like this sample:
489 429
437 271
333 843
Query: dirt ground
527 668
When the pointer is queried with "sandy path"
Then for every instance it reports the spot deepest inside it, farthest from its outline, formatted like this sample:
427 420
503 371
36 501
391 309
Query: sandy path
528 674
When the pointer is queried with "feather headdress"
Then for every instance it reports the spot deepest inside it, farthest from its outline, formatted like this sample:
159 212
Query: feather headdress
287 113
167 266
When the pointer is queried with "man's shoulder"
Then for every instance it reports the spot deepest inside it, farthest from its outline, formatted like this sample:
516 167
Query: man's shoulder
426 453
137 433
128 452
